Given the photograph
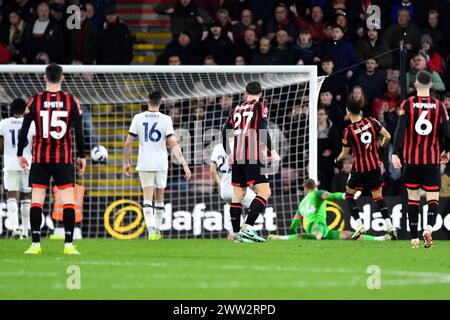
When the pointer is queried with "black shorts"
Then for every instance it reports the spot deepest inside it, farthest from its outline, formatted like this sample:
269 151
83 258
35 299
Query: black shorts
41 173
371 180
244 175
427 177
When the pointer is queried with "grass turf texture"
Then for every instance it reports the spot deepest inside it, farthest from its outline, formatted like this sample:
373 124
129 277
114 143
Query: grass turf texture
221 269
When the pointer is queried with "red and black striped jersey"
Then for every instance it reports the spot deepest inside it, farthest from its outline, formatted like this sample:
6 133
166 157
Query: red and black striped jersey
54 115
248 121
422 125
361 137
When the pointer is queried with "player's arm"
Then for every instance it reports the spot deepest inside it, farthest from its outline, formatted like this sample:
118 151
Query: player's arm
226 139
263 124
445 129
335 196
399 136
214 174
172 143
296 222
386 137
23 133
77 121
345 147
127 150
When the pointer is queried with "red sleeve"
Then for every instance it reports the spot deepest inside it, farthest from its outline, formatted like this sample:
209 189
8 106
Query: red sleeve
376 125
345 137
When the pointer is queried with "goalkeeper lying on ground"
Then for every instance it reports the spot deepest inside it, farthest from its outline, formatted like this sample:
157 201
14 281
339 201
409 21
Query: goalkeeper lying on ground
313 209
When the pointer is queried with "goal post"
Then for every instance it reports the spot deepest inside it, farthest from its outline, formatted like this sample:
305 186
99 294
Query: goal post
198 98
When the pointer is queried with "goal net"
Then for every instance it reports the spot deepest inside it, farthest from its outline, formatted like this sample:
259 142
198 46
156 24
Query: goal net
198 98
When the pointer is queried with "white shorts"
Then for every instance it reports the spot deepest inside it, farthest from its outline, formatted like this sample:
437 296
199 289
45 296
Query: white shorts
16 181
226 193
156 179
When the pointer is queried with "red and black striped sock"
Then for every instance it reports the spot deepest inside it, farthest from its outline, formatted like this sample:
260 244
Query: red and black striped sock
36 221
413 217
433 210
352 206
382 207
256 207
69 222
235 216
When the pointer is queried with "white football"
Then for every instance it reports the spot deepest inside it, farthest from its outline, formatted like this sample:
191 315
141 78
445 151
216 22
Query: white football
99 153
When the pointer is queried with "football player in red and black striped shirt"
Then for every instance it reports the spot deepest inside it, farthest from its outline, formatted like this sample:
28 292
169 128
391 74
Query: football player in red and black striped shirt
422 143
54 113
361 137
248 124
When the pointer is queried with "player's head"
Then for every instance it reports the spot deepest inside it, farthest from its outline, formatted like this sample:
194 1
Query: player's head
253 89
54 74
353 108
309 186
423 81
17 107
155 99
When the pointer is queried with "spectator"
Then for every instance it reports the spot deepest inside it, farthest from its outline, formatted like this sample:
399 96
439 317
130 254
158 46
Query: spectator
371 80
339 183
373 46
327 147
26 9
357 95
265 55
245 23
402 5
83 42
16 31
390 100
185 15
183 47
42 58
304 51
420 64
282 47
316 26
115 45
235 8
218 44
341 52
403 32
209 60
57 11
174 60
434 59
239 60
4 54
225 21
446 97
335 83
249 46
43 35
281 21
334 112
433 29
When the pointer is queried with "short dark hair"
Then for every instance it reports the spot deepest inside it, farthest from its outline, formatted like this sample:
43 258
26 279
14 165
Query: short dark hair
309 184
253 88
336 26
17 106
53 72
327 59
423 77
446 95
354 107
322 107
155 97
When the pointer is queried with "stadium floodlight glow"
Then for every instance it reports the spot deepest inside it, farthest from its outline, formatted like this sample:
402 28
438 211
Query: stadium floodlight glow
111 95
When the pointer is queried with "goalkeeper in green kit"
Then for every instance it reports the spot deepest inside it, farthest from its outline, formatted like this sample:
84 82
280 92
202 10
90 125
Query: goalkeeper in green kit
313 209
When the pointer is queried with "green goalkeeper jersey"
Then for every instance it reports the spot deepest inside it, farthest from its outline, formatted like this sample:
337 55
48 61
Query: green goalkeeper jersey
313 208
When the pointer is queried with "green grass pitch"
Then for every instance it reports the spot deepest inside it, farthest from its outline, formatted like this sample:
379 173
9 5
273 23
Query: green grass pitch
221 269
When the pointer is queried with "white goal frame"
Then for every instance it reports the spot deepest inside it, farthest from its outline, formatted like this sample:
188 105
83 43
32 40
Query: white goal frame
311 71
